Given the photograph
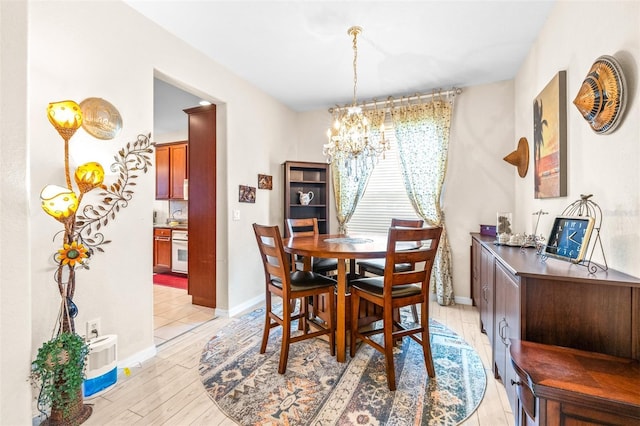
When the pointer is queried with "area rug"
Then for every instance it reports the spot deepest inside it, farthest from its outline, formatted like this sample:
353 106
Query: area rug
170 281
317 390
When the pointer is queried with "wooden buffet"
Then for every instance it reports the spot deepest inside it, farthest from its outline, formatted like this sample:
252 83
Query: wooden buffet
552 302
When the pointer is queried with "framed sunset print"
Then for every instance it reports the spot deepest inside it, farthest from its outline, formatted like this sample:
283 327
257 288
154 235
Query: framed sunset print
550 139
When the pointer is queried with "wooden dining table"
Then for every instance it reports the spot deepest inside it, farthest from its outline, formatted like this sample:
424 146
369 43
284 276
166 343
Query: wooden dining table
343 248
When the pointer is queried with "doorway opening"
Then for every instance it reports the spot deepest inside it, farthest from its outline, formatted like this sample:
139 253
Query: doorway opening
173 310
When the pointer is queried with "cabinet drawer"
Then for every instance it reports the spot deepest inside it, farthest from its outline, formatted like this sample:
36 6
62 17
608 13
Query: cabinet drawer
162 232
527 400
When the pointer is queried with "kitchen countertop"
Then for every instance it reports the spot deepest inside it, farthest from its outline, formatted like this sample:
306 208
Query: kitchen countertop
166 225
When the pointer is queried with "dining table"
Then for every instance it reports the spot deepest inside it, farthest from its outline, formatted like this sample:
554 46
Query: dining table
344 248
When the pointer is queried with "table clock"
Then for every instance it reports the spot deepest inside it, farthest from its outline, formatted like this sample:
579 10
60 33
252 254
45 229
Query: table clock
569 238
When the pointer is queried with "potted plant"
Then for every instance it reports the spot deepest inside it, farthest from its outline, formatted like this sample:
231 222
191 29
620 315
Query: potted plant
59 366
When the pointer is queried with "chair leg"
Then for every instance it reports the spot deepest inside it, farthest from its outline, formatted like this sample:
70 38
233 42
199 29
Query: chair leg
414 312
355 309
388 349
267 323
426 341
286 337
332 322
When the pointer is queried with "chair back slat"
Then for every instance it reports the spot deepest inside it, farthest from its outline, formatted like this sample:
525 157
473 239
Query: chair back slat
306 227
409 223
274 259
421 256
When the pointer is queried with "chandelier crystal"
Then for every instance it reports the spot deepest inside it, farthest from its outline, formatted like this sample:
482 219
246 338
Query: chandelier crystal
351 138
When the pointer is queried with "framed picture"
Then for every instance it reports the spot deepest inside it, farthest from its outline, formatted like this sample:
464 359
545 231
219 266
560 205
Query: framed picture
550 139
247 194
569 238
265 182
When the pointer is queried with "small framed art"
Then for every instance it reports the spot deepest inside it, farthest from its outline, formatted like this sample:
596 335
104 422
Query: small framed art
265 182
247 194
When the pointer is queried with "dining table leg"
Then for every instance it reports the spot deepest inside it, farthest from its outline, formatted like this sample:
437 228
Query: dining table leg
341 314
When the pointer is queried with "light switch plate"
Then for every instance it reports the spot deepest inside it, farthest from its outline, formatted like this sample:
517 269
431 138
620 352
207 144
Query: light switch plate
236 214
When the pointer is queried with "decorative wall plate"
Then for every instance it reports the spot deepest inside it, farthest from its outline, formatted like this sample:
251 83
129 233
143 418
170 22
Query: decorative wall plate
100 119
602 97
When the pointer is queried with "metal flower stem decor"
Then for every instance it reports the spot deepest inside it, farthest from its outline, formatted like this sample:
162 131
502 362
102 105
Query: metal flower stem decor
82 236
82 229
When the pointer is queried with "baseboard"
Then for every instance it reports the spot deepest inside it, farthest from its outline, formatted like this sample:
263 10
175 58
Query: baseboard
137 359
463 300
249 305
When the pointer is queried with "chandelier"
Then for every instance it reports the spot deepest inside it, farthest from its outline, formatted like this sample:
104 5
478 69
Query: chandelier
351 138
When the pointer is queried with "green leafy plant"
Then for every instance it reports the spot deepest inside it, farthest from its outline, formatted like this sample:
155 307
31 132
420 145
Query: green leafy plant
59 371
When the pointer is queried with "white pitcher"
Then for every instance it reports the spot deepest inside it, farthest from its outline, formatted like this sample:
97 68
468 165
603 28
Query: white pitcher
305 197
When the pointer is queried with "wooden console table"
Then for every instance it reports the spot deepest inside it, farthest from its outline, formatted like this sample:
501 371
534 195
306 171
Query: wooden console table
561 386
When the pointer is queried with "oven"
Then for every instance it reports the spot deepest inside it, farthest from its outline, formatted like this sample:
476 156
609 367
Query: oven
179 251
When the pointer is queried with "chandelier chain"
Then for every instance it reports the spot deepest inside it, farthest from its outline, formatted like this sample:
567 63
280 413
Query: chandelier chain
354 31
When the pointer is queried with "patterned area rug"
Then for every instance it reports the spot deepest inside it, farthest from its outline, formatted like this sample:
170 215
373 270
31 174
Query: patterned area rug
317 390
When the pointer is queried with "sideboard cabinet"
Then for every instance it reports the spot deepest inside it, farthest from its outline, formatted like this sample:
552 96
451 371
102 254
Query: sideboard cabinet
552 302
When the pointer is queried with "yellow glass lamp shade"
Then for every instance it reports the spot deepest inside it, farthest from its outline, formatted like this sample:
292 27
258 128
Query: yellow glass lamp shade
89 176
58 202
66 117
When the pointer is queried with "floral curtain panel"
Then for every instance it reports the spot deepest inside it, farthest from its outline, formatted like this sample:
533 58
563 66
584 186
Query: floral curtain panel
422 133
350 176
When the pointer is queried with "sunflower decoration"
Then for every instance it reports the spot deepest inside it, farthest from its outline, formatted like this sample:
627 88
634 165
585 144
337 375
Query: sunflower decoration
72 254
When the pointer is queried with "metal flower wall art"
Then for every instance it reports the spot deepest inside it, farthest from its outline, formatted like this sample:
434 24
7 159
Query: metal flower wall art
82 234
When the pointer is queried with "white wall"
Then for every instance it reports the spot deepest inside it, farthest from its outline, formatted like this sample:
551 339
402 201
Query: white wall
478 182
603 165
15 262
98 58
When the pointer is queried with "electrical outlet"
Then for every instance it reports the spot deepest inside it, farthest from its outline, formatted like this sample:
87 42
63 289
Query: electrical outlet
93 329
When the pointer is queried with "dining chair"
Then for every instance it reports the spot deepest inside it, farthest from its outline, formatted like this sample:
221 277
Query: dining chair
282 282
308 227
396 289
376 266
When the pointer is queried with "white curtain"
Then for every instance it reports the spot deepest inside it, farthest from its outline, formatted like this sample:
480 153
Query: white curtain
422 132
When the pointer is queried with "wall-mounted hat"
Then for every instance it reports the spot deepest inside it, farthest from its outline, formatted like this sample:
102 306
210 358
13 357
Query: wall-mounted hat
602 97
520 157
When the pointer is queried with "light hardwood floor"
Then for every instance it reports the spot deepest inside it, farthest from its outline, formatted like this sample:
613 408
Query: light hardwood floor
173 313
166 390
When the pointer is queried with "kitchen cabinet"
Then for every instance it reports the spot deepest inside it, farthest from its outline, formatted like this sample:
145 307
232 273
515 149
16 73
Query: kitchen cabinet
305 177
161 250
171 170
202 205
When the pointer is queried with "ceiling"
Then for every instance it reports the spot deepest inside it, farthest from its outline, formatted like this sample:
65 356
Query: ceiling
299 52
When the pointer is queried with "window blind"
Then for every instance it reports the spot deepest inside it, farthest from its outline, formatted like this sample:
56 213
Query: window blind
385 196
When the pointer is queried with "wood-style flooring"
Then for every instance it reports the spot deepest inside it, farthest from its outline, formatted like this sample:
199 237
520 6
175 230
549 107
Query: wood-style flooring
166 390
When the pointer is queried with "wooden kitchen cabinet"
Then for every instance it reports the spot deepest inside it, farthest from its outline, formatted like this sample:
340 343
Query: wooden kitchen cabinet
171 170
161 250
306 177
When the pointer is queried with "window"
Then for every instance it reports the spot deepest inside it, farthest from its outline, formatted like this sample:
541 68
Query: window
385 196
